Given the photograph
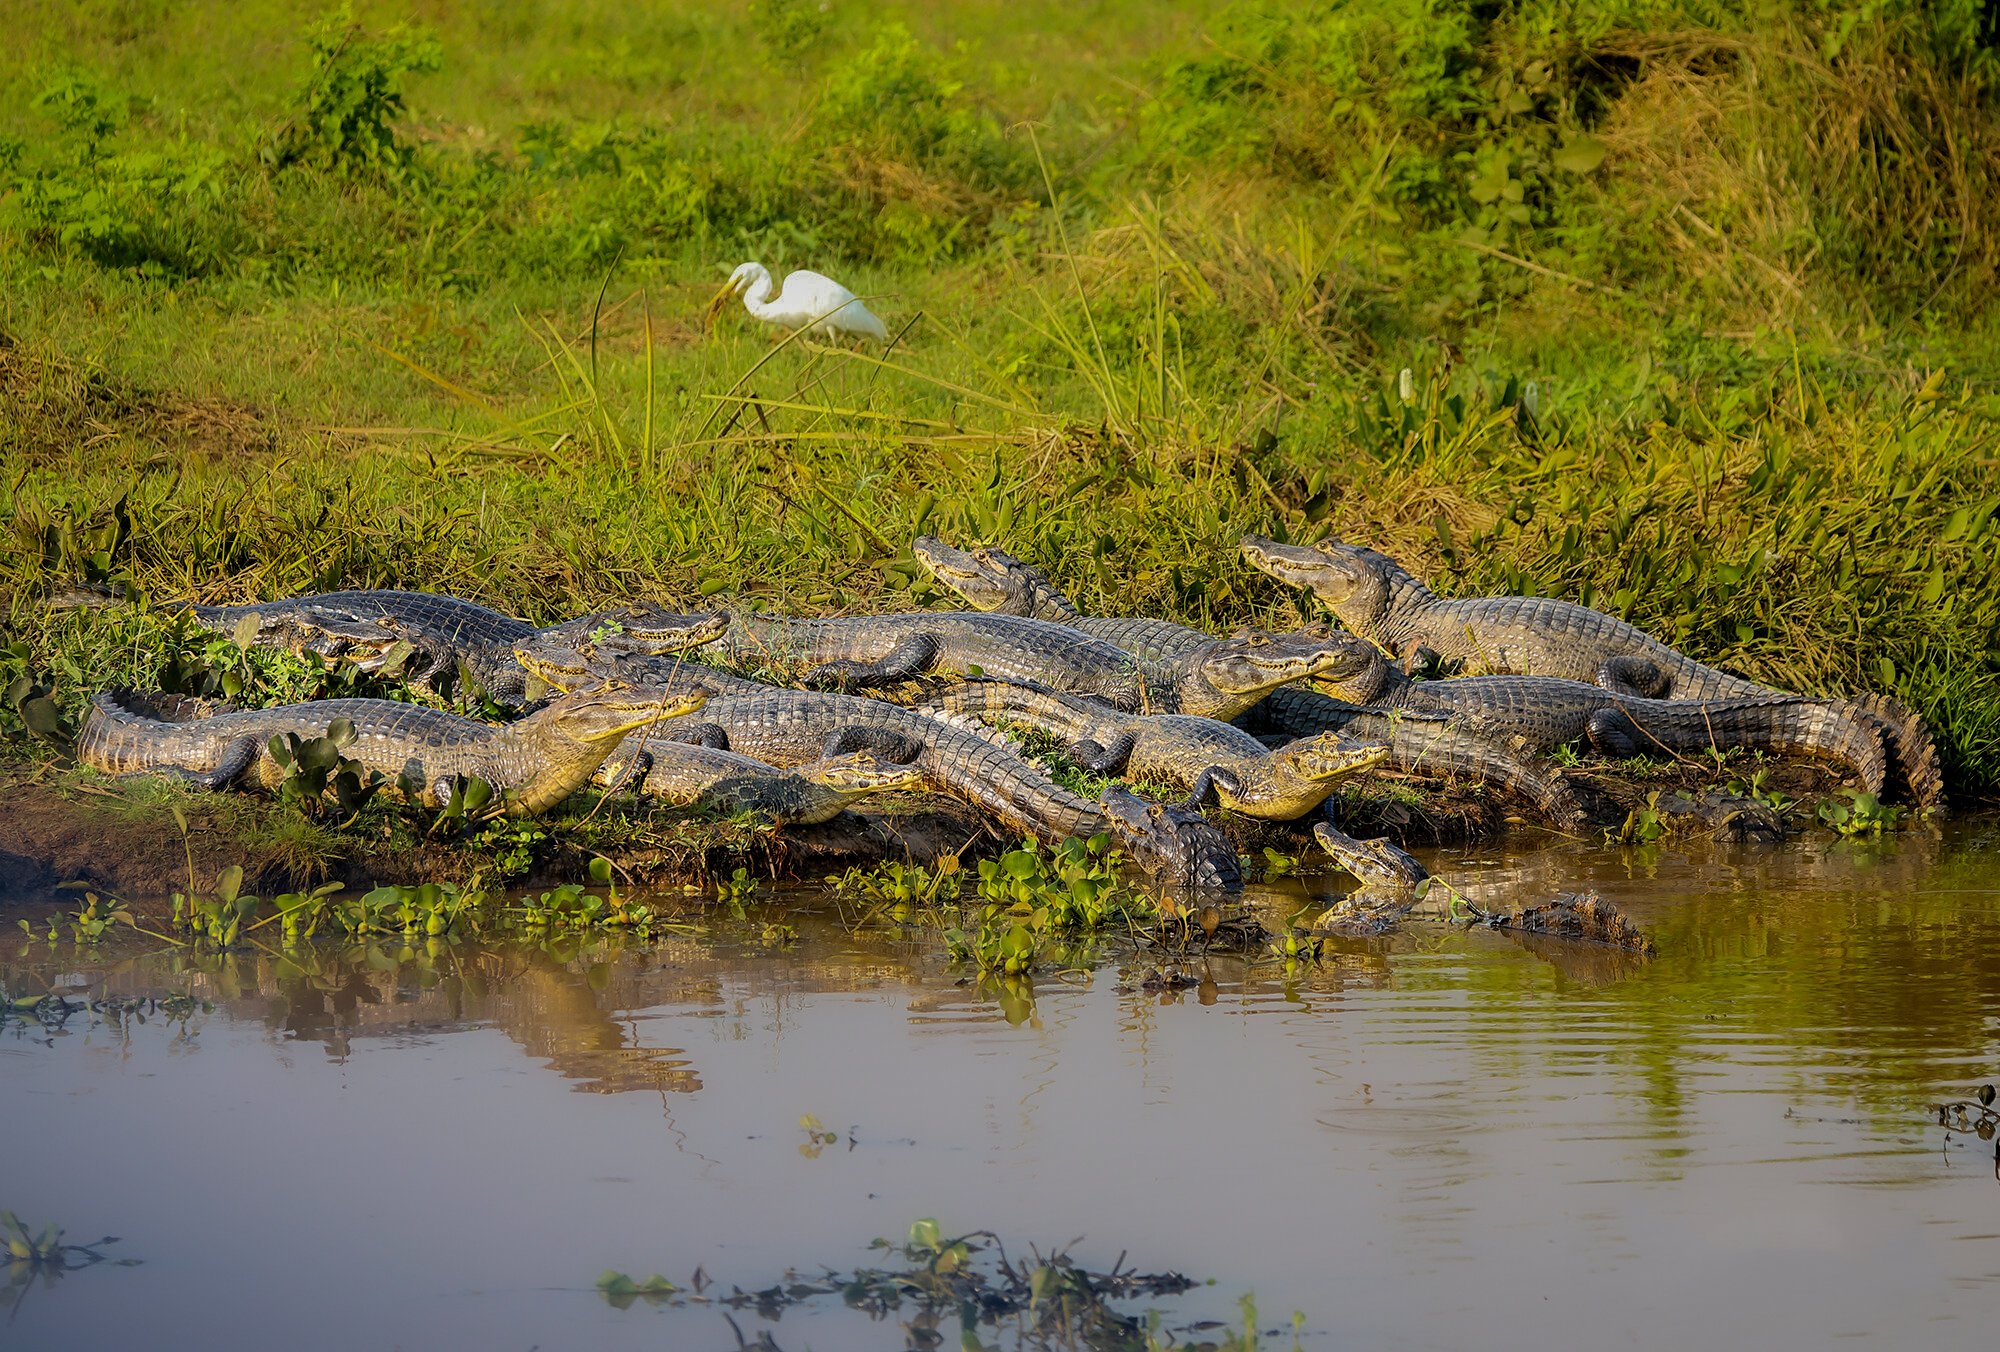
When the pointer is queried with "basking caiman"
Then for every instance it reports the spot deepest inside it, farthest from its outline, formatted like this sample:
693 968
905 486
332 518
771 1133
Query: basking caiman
994 581
443 633
683 774
1426 744
1541 713
1535 636
1219 679
1200 755
990 577
796 727
535 763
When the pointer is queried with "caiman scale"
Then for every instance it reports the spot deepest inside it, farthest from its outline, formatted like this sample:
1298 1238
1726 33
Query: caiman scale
795 727
1218 679
1541 713
992 580
682 774
1377 598
1201 755
443 634
535 762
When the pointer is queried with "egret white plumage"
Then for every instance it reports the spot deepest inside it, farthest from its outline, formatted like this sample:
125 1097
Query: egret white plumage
808 300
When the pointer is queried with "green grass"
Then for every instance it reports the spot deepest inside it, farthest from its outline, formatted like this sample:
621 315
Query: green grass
1694 304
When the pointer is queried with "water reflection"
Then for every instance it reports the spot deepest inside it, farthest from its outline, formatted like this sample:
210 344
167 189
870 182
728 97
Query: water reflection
1683 1144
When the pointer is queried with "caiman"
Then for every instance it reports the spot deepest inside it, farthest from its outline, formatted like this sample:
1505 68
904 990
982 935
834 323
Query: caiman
1207 758
1540 713
683 774
795 727
1536 636
992 580
534 763
1427 744
443 633
1219 679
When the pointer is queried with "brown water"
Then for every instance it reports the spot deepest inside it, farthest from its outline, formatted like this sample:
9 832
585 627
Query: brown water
1438 1139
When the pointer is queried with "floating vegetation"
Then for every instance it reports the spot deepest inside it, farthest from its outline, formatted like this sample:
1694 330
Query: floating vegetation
1974 1117
929 1281
43 1253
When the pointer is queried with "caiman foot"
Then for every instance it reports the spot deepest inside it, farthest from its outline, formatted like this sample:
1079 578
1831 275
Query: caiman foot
1634 676
909 659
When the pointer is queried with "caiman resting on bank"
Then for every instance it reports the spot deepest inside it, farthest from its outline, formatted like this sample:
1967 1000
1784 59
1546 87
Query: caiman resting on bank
682 774
796 727
989 577
1218 679
443 634
1211 760
1540 713
1375 597
533 764
994 581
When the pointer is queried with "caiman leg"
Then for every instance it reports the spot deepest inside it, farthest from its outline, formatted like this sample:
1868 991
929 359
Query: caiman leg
640 766
909 658
1629 674
1612 733
229 767
1205 793
1100 759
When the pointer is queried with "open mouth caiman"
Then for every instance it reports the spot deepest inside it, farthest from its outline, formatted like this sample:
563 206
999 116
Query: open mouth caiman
789 728
445 636
1219 678
1377 598
1200 755
534 763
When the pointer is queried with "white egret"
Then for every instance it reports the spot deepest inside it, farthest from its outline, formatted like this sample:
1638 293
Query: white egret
819 304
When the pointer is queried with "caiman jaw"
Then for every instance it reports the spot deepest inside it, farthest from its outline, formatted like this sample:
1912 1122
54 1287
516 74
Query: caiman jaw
648 712
1332 762
669 633
562 677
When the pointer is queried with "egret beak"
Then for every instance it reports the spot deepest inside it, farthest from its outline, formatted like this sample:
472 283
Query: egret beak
722 298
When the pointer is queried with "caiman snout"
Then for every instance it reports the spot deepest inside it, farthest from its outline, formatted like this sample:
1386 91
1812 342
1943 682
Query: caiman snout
863 771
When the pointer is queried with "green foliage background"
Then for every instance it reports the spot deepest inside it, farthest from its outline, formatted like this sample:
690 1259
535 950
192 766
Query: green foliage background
1694 301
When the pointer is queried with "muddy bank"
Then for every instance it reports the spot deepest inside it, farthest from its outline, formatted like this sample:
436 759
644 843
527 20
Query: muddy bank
55 833
60 828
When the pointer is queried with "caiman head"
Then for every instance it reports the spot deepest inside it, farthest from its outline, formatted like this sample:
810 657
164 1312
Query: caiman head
599 714
1329 756
1176 845
1377 863
991 579
860 772
1224 678
642 628
558 666
1356 584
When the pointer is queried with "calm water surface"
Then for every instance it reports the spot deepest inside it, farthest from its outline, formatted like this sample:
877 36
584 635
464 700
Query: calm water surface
1437 1139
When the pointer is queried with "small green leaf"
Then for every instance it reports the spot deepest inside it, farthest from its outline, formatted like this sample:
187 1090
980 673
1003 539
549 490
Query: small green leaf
600 870
1581 155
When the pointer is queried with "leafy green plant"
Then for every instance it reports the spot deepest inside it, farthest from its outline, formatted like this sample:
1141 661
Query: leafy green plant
1863 814
345 113
311 766
1642 825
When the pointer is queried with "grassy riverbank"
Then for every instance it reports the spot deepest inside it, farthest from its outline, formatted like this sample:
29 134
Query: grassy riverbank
1693 306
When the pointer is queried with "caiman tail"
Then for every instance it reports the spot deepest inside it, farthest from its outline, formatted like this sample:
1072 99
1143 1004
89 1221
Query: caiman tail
1819 729
1914 764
